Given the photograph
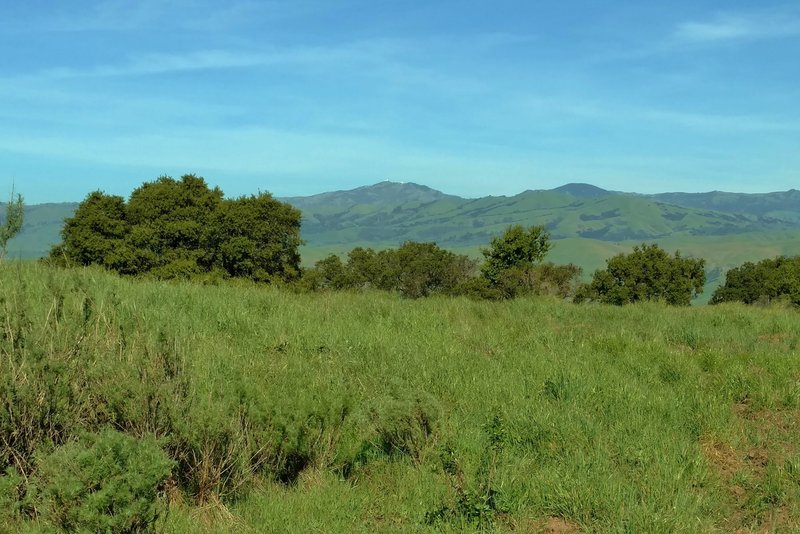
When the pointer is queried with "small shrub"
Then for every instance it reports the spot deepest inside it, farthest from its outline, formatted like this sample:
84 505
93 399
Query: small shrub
395 428
12 496
106 482
404 426
479 502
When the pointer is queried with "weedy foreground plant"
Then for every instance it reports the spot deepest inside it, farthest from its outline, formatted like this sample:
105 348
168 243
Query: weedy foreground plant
144 405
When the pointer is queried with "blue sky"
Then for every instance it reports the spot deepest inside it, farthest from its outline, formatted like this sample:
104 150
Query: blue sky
469 97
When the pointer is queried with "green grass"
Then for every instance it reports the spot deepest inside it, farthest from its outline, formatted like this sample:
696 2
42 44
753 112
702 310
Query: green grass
366 412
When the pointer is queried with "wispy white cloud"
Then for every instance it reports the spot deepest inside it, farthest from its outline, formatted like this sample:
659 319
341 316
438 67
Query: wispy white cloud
104 15
193 15
738 26
633 116
396 63
161 63
722 123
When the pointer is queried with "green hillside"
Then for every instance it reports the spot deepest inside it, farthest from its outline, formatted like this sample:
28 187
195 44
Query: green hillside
271 411
398 212
588 224
783 205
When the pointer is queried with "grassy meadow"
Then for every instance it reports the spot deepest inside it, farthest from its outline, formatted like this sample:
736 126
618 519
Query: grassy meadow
364 412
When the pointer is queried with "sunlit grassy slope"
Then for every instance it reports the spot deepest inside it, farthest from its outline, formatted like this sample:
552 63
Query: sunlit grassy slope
430 415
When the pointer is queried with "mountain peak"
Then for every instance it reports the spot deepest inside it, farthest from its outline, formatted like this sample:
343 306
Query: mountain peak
582 190
385 193
398 186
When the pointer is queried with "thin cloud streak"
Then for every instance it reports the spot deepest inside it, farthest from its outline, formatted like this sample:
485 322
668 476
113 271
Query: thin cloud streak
191 15
377 53
632 116
733 27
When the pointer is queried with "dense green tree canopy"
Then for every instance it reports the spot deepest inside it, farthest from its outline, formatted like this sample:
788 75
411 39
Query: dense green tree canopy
170 220
414 270
96 233
513 266
517 248
766 280
647 273
257 237
182 228
421 269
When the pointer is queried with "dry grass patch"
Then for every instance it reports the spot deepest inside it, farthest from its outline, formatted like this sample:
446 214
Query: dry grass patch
757 472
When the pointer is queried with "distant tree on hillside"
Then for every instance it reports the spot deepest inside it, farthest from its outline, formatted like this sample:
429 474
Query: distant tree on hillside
647 273
513 265
15 216
182 228
517 248
420 269
765 281
559 280
363 269
414 270
327 274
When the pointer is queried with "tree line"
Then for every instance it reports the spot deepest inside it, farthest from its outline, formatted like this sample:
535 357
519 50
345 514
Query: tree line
184 229
513 266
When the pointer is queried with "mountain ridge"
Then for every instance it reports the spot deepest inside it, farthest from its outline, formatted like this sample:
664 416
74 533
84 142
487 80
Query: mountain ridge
387 213
571 210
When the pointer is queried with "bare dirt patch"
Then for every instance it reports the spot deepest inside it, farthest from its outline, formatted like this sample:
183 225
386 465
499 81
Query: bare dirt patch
558 525
774 339
769 437
550 525
723 458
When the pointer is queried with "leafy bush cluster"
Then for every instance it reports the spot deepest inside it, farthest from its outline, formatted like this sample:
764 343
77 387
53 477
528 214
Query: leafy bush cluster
414 270
512 267
475 500
104 482
647 273
183 229
765 281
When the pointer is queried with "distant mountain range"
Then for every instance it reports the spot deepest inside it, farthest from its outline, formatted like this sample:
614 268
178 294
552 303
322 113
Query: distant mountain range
588 223
391 212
